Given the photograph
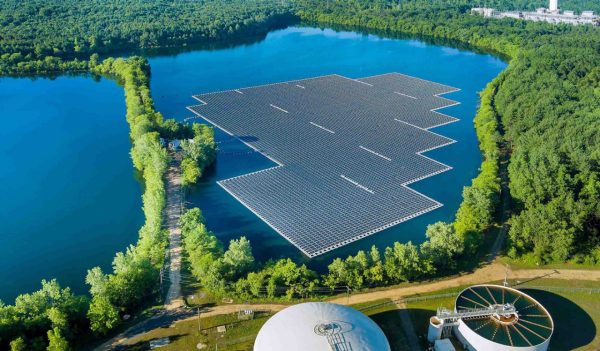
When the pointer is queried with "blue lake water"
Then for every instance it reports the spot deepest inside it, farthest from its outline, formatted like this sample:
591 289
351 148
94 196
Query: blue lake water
300 52
69 197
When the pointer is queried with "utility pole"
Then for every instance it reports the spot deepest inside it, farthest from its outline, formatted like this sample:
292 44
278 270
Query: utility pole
162 269
199 329
347 295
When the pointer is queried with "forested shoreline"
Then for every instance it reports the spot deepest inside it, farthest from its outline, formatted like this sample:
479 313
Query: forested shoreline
546 104
47 37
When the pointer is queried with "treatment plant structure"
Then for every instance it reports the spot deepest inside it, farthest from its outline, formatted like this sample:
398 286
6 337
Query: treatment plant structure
494 318
320 326
551 14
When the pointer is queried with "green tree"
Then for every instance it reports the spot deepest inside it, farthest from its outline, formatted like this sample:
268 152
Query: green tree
103 315
97 280
190 172
548 230
442 245
18 344
338 273
238 256
376 272
56 342
199 153
58 318
403 263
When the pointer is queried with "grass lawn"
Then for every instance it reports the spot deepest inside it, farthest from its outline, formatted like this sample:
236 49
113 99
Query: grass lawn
239 335
529 263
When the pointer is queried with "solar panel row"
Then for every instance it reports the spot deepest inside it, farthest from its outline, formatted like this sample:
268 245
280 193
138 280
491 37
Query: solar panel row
346 149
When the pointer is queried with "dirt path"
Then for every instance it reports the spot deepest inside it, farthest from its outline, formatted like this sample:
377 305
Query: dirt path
174 297
174 301
491 272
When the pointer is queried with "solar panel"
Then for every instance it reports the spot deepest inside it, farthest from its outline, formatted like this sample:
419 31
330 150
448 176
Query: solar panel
345 150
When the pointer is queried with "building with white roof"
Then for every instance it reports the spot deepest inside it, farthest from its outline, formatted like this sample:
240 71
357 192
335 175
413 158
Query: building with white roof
551 14
320 326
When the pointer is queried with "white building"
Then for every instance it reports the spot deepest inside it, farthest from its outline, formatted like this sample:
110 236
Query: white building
588 14
320 326
484 11
551 15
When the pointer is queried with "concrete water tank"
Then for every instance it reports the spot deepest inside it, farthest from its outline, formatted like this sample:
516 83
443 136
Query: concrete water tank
320 326
528 328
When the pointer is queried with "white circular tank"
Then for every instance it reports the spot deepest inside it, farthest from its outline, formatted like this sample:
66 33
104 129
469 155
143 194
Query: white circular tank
320 326
527 329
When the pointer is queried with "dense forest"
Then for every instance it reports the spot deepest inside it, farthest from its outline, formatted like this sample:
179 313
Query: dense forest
543 112
46 36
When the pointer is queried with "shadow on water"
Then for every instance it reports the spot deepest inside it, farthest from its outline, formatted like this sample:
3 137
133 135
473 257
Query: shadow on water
573 327
281 22
293 21
456 44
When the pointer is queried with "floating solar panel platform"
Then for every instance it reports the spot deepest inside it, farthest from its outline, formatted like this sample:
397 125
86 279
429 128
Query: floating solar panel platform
346 151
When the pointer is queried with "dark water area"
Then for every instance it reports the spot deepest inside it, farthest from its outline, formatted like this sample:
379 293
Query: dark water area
68 195
302 52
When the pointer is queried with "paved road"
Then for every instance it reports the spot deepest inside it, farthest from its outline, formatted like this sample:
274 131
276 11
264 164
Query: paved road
163 319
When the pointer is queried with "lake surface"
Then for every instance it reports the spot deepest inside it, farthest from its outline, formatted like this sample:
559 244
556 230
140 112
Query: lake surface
69 194
300 52
69 197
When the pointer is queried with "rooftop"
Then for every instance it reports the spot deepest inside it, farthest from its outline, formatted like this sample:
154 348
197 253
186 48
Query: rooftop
320 326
